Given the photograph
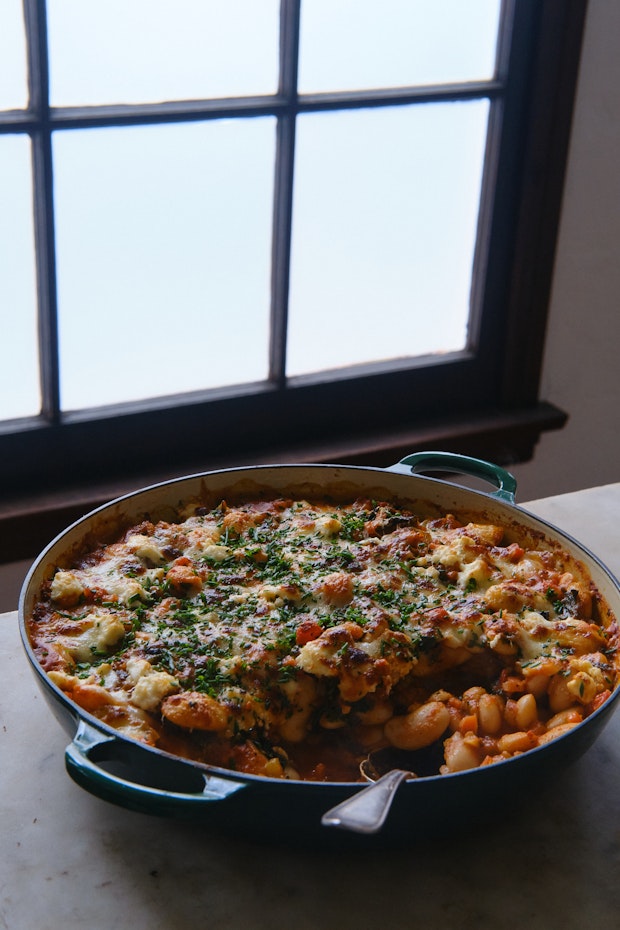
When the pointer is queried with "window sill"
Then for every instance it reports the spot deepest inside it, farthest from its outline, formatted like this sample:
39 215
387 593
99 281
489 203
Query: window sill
29 521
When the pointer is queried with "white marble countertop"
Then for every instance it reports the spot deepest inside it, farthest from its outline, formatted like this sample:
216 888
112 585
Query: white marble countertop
70 860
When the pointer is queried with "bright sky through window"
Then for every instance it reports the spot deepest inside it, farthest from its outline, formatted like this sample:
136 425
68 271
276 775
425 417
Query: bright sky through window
163 233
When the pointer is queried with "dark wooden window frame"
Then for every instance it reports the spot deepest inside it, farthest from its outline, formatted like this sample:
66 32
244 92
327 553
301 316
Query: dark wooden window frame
483 401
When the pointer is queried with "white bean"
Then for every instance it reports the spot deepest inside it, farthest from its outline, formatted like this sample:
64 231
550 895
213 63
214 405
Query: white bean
516 742
461 753
559 696
538 684
490 713
472 697
568 715
419 728
527 711
555 732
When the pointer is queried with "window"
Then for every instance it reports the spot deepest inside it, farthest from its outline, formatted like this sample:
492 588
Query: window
305 312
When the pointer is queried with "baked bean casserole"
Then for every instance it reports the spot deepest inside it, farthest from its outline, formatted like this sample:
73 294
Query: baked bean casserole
288 638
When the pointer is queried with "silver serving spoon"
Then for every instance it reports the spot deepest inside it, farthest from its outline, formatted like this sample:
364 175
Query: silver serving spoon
385 769
366 811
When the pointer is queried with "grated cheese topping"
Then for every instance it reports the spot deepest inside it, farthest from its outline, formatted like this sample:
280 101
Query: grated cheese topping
289 637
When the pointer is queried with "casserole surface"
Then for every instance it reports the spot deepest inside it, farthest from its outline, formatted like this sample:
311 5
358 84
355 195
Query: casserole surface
286 635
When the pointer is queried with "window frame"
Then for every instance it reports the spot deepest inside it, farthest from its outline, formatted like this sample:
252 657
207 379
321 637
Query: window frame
350 414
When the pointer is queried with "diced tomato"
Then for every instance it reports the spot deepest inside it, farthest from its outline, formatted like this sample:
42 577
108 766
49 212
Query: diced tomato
307 631
596 702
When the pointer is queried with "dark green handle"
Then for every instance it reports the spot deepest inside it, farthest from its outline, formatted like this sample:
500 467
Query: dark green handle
84 769
505 483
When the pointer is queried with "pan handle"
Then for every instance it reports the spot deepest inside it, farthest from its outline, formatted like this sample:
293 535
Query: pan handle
90 747
505 483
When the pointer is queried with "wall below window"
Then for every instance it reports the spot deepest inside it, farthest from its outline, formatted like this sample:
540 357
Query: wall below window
581 372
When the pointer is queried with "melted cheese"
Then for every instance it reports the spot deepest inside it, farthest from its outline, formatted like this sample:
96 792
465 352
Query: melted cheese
66 589
104 631
270 621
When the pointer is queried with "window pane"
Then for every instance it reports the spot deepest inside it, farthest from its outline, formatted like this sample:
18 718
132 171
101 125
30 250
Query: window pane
384 227
392 43
145 51
163 245
19 371
13 74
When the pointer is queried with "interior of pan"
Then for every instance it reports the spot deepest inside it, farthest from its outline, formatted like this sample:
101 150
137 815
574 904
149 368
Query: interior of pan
430 496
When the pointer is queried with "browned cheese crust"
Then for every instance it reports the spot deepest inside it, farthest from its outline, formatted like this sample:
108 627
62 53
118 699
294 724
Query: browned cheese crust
288 638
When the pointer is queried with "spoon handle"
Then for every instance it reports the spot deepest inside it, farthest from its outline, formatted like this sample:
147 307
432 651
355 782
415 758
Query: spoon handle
366 811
